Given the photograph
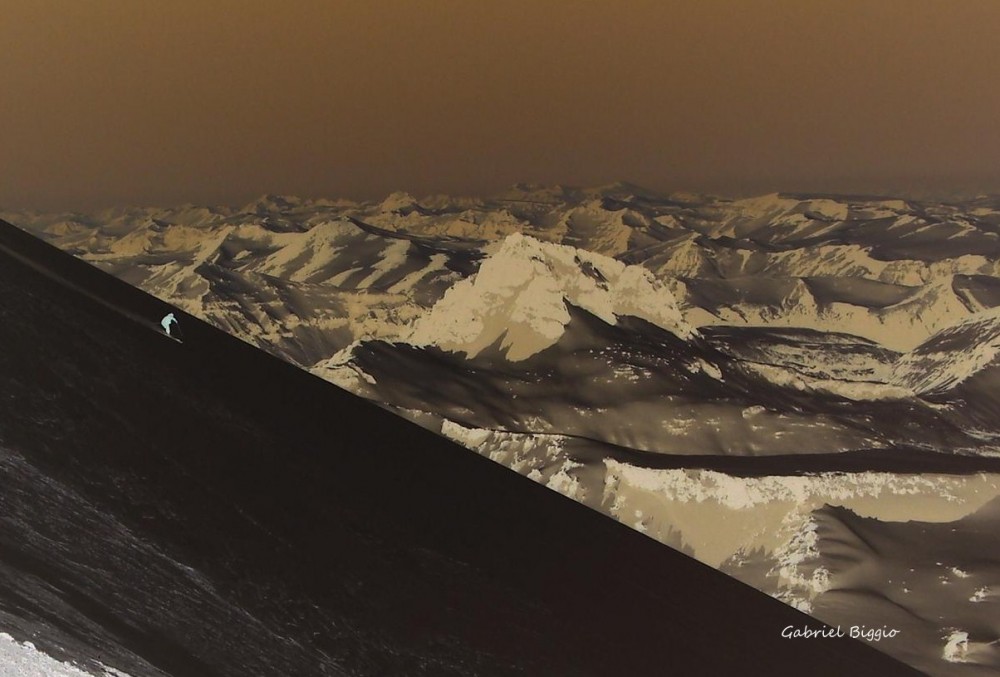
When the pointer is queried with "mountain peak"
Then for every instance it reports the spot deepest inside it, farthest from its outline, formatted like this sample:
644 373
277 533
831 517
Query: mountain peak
520 292
270 203
398 201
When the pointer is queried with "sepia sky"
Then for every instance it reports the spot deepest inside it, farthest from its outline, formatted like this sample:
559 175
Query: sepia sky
215 101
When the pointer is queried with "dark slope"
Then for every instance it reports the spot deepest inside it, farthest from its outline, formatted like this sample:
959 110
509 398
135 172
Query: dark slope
204 509
919 577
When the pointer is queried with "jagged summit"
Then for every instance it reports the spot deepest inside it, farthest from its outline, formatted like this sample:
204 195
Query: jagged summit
519 295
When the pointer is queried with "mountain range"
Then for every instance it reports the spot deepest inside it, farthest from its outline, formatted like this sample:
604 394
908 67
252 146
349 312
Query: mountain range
817 373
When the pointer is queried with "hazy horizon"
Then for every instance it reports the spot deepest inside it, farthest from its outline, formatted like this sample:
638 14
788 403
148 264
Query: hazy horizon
119 103
910 195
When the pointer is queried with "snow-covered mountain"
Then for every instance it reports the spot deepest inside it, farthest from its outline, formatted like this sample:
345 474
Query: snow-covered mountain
890 270
520 293
716 373
666 324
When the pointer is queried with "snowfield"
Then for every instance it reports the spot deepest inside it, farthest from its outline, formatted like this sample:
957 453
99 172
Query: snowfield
22 659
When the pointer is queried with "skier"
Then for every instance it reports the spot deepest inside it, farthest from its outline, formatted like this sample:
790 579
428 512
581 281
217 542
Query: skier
167 321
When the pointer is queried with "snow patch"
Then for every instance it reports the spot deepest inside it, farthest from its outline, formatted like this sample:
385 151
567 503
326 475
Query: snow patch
743 493
565 483
799 581
22 659
981 595
956 647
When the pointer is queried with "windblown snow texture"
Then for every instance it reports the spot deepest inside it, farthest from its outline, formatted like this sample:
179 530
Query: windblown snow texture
205 509
714 373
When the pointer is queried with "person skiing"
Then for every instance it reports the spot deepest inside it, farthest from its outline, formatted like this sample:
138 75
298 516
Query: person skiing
167 321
